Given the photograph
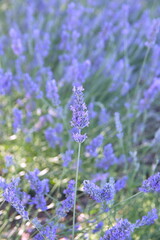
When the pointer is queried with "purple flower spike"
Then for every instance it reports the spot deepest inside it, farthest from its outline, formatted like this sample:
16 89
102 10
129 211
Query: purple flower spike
152 184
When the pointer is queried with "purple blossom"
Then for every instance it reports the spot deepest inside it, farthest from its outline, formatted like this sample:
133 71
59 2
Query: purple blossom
148 219
121 183
150 94
121 231
92 148
80 118
17 123
53 136
79 138
152 184
67 204
45 232
11 195
79 110
102 195
40 188
52 92
6 82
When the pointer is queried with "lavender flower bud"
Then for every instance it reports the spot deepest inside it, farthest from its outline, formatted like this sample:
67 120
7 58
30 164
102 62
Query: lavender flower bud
79 110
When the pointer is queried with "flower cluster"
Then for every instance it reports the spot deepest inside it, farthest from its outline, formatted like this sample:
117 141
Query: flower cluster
80 118
40 188
11 194
123 228
152 184
121 231
47 232
102 195
67 204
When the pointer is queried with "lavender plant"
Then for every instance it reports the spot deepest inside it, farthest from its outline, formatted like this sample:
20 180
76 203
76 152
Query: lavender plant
50 51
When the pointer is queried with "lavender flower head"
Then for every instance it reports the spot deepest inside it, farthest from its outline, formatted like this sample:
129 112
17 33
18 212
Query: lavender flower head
80 118
102 195
45 232
17 124
40 188
152 184
148 219
67 204
121 231
12 195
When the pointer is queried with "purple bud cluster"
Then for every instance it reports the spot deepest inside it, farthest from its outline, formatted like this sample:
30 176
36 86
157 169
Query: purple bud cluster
123 228
152 184
67 204
148 219
121 231
79 110
40 188
47 232
11 194
6 82
17 123
100 195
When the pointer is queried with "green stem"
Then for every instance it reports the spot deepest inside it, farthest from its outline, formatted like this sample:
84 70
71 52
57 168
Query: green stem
75 192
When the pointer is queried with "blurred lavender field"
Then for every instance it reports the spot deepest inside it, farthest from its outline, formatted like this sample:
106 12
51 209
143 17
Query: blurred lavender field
79 120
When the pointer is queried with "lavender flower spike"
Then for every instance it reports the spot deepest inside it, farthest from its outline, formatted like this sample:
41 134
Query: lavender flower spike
121 231
12 195
79 110
152 184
